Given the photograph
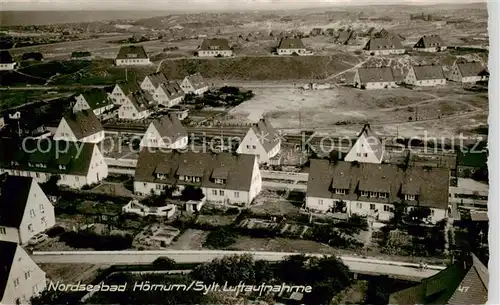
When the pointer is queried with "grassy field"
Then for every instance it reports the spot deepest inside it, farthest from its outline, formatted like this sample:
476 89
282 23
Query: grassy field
9 99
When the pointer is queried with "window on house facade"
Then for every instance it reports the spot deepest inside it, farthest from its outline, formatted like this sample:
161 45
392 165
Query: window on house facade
432 212
320 201
358 154
365 155
214 192
382 195
3 231
359 205
32 213
30 227
42 219
364 193
236 194
387 208
254 147
27 275
372 206
221 192
373 194
16 282
409 197
340 191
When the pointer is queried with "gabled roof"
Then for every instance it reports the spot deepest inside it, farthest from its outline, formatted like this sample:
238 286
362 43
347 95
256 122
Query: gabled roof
83 123
291 43
430 41
428 72
170 128
5 57
433 183
344 37
267 135
239 168
474 286
141 100
375 75
157 78
196 80
57 157
172 90
470 68
96 98
7 254
373 141
377 44
127 52
13 199
128 87
215 44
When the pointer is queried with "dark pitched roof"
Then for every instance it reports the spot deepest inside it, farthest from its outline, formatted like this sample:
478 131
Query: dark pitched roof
375 75
83 123
385 178
377 44
7 254
56 157
128 87
291 43
471 68
215 44
267 135
344 37
157 78
171 164
197 81
428 72
474 286
172 90
96 98
429 42
472 159
170 128
127 52
5 57
141 100
13 199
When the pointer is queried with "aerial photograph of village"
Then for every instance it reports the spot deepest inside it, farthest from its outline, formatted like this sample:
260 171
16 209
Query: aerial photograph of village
304 155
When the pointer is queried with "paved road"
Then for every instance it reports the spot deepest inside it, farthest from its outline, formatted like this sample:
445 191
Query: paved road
356 265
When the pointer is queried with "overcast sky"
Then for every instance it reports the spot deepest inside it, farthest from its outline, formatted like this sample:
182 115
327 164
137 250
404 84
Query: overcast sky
196 4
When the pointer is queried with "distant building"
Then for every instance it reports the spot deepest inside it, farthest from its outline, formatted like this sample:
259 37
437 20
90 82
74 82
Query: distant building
316 32
138 105
166 132
132 56
6 61
169 94
261 140
121 90
81 56
374 78
81 126
96 99
76 164
384 46
470 162
468 72
36 56
345 37
289 46
425 75
194 83
223 178
215 47
180 112
431 43
25 210
367 148
369 189
152 81
21 278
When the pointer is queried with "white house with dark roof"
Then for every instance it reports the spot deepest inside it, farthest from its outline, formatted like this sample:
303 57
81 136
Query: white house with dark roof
169 94
121 90
152 81
194 83
289 46
425 75
384 46
25 210
132 56
215 47
81 126
468 72
430 43
374 78
261 140
75 163
7 63
370 189
224 177
138 105
166 132
367 148
96 99
21 278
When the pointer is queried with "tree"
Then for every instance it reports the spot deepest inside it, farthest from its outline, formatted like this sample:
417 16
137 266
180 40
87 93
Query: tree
220 238
56 297
164 263
192 193
50 186
419 213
